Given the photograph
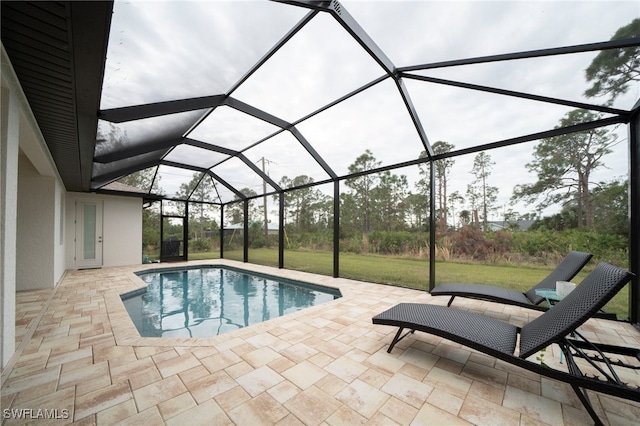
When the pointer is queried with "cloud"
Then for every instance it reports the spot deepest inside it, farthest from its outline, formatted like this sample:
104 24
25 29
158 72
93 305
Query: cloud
160 51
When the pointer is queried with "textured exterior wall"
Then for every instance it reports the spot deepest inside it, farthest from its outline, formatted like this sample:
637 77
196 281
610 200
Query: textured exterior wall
9 139
121 229
35 245
59 264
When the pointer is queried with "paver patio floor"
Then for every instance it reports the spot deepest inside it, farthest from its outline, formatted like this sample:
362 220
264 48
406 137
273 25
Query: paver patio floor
82 360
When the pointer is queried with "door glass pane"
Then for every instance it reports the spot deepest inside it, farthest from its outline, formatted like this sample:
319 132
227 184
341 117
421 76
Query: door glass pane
89 231
172 236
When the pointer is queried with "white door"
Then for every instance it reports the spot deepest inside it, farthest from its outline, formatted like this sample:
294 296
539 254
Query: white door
88 234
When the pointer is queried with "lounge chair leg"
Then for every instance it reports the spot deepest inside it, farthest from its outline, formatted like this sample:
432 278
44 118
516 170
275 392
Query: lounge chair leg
584 398
581 393
397 338
451 300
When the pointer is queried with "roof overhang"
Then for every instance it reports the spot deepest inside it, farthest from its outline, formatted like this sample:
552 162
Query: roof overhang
58 51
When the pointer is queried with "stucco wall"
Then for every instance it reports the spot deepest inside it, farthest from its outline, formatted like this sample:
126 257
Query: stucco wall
35 230
122 229
59 263
9 137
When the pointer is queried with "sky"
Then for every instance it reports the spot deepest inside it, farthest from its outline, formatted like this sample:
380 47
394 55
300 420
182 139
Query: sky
169 50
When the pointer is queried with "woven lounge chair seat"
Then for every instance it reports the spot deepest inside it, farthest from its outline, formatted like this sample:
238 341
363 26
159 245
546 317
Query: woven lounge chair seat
556 326
566 270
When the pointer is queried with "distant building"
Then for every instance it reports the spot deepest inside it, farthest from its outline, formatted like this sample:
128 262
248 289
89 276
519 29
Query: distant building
272 228
518 225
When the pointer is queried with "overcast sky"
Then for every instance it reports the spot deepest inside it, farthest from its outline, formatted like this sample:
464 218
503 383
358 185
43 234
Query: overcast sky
168 50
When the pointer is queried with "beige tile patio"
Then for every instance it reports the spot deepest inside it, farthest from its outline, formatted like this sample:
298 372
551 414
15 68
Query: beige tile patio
446 401
232 398
491 393
485 374
534 406
346 416
449 382
176 405
37 381
385 362
211 385
284 391
363 398
481 411
345 368
150 416
430 414
158 392
401 412
304 374
406 389
261 356
262 410
259 380
177 365
117 413
320 366
101 399
312 406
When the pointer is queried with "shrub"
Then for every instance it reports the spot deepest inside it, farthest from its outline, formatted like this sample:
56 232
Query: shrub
396 242
555 244
538 243
611 248
199 245
351 245
471 242
502 241
318 241
444 248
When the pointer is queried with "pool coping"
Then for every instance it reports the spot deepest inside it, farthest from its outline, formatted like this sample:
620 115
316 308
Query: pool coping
125 332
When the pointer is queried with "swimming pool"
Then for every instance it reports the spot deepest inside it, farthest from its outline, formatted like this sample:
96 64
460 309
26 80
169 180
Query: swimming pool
212 300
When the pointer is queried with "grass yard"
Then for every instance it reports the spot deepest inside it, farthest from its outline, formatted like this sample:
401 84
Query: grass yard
413 273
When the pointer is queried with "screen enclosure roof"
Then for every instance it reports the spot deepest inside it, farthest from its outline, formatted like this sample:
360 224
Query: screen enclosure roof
244 96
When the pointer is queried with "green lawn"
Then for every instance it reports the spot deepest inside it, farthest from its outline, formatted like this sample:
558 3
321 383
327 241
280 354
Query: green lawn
413 273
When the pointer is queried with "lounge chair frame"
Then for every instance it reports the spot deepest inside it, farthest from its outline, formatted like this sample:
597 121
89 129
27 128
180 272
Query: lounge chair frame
566 270
558 325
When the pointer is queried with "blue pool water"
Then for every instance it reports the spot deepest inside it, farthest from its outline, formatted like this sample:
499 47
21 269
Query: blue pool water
207 301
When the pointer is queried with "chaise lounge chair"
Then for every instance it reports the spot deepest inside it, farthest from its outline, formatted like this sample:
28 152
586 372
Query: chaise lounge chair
557 325
565 271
